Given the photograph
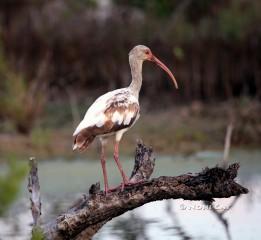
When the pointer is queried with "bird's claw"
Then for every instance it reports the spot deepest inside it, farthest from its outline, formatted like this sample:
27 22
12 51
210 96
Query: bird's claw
128 183
121 186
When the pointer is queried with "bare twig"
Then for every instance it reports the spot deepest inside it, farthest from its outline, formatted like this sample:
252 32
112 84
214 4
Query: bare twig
228 141
224 162
34 189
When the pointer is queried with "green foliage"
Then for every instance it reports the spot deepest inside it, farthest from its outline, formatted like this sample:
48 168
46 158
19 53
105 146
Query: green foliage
183 32
10 183
73 6
178 52
234 22
87 3
37 234
159 8
231 20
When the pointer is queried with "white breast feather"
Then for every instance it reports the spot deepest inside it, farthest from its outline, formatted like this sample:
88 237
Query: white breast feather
128 117
117 117
95 114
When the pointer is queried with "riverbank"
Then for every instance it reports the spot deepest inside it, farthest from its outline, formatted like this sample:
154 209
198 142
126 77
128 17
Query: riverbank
181 129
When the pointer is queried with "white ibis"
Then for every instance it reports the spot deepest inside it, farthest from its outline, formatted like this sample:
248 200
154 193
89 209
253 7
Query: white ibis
115 112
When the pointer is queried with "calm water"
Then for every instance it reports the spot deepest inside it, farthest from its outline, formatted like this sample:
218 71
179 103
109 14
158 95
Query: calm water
62 180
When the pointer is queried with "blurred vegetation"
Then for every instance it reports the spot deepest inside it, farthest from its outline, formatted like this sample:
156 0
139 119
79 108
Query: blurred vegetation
20 101
56 55
10 184
213 45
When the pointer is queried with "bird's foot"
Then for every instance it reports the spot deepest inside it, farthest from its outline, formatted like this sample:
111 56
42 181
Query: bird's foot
107 191
122 186
129 183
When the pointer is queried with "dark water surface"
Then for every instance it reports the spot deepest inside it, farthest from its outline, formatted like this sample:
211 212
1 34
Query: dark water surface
62 181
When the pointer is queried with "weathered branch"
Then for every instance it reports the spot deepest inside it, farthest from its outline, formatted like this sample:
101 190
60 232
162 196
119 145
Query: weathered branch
34 190
90 213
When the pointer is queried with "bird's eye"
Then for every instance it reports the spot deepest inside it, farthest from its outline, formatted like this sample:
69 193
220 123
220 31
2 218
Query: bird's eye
147 52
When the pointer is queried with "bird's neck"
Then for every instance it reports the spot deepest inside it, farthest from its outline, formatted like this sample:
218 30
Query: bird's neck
136 74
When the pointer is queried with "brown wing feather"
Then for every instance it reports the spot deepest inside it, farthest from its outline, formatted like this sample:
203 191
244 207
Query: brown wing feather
86 136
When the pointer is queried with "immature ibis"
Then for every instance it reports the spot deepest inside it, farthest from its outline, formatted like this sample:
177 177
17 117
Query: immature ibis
115 112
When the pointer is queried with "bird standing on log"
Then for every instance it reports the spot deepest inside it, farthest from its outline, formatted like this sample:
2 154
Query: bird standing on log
115 112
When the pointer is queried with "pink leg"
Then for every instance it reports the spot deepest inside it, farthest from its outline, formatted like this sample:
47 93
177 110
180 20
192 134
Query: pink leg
116 158
103 163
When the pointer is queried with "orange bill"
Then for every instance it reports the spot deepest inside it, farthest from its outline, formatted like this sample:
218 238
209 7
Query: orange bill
165 68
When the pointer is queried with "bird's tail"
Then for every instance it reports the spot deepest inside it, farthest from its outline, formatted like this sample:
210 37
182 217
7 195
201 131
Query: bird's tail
82 140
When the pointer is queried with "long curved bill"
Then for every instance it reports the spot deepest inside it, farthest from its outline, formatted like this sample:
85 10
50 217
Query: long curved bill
164 67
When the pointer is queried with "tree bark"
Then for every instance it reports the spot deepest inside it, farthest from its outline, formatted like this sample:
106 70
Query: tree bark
91 212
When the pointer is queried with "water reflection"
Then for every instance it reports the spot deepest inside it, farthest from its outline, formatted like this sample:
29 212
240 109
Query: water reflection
177 227
132 227
223 219
220 214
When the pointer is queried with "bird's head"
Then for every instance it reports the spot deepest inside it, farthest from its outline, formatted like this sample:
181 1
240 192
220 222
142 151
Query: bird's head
143 53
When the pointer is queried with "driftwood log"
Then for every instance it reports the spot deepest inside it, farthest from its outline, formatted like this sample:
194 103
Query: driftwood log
90 213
